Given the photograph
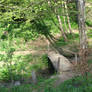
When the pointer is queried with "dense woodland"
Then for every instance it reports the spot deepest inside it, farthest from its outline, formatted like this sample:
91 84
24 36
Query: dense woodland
45 45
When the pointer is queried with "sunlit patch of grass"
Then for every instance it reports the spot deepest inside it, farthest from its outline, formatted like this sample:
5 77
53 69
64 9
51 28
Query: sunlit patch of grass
60 42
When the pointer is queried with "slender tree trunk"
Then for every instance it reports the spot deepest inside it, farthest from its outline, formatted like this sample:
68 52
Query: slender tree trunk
61 28
66 29
68 19
64 12
59 20
60 24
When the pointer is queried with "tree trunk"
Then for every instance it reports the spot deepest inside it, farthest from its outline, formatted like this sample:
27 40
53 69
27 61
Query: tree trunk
81 18
64 12
60 23
66 29
61 28
68 19
83 36
59 20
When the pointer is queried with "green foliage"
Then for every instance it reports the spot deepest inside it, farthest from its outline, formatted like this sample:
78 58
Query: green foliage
20 66
24 20
77 84
30 18
60 42
89 23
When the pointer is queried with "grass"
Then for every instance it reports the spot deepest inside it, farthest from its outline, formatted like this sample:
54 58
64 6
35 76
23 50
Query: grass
60 42
29 62
77 84
17 43
25 63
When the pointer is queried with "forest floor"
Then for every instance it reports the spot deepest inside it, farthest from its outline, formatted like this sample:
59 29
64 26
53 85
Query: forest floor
35 50
41 46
